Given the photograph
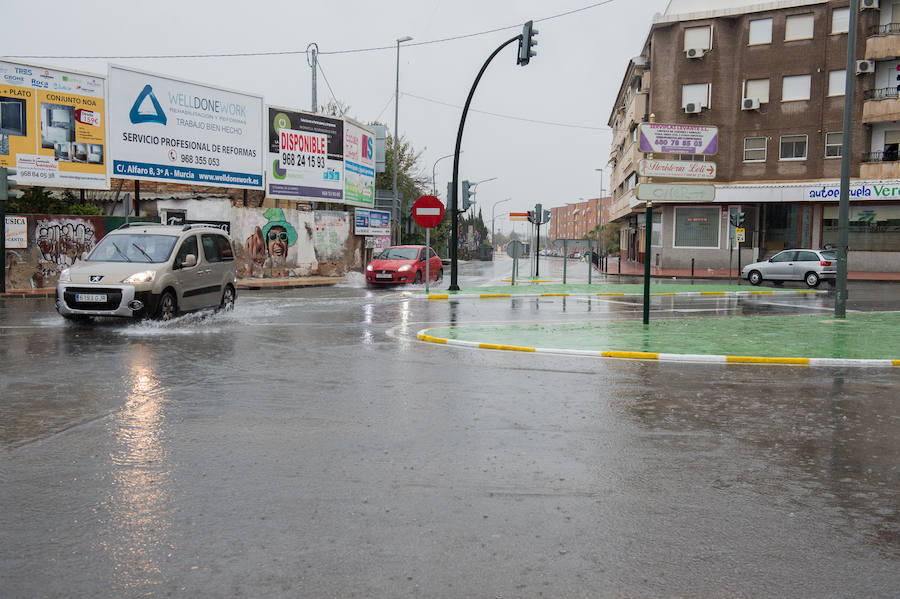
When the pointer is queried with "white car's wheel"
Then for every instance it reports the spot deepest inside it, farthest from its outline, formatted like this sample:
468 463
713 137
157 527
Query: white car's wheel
755 277
812 279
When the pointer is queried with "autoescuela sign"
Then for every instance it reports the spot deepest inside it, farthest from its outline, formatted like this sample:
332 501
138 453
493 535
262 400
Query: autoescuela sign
166 129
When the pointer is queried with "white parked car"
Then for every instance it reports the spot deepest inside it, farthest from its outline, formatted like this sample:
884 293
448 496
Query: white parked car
151 270
811 266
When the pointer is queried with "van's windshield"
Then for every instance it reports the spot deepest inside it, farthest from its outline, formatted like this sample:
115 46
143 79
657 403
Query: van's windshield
124 247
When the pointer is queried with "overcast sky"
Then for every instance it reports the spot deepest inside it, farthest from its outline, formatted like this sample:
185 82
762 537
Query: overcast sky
572 81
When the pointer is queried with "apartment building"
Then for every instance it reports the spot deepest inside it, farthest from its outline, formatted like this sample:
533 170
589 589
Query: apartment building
577 219
771 77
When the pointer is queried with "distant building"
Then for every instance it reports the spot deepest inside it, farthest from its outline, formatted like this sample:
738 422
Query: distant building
771 77
576 220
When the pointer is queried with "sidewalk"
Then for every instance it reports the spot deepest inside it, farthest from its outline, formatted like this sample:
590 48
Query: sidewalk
249 284
632 268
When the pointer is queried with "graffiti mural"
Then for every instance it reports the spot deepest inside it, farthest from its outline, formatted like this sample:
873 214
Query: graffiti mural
62 240
332 235
270 245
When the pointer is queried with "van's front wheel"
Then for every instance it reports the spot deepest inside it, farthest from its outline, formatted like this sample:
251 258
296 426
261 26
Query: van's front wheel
168 306
228 296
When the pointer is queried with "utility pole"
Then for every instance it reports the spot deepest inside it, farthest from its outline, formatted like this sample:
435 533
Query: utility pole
311 51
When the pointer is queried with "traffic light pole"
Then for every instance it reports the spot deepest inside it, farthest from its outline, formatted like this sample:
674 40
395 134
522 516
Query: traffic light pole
454 214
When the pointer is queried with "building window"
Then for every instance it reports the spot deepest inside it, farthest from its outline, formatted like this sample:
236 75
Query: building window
793 147
755 149
840 20
833 144
873 227
760 32
631 182
695 93
696 227
795 87
798 27
837 82
698 37
757 88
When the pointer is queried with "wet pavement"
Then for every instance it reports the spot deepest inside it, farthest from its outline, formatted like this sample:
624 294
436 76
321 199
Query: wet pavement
308 445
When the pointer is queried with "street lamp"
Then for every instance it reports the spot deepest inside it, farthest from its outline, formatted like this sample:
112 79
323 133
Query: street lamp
396 200
600 234
433 183
492 217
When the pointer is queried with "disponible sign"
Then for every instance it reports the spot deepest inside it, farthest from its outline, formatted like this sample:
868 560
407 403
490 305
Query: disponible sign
305 156
678 139
681 169
371 222
165 129
53 126
676 192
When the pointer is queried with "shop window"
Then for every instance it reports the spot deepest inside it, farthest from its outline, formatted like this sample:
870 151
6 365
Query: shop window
793 147
760 32
872 228
697 227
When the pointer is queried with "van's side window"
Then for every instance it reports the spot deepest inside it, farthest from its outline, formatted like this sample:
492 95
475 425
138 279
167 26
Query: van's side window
211 248
188 246
225 249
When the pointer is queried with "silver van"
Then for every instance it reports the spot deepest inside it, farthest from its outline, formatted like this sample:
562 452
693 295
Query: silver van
145 270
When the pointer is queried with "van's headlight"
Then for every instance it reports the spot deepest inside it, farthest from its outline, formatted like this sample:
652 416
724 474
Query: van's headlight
65 276
404 268
141 277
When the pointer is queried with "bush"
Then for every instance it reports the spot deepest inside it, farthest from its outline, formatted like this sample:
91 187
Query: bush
37 200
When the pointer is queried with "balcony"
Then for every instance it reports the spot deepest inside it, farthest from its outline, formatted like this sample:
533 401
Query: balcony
881 105
880 165
883 43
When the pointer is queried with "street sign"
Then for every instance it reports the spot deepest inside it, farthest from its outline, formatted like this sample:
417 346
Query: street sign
515 249
518 216
679 169
678 139
428 211
739 235
676 192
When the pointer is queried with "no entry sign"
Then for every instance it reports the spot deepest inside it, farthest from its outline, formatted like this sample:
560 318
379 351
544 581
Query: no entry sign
428 211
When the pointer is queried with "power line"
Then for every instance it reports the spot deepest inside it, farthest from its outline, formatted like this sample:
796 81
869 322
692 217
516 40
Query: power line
290 52
333 97
510 117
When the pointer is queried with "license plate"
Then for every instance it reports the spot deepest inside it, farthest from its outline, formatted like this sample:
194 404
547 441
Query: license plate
382 275
92 298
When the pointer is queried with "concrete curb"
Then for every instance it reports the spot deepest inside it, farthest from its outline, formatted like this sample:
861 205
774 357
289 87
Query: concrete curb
665 357
447 296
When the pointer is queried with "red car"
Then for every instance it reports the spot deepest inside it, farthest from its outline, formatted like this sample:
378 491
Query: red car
403 264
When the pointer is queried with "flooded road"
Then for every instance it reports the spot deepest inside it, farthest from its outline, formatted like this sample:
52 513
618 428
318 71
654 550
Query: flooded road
307 445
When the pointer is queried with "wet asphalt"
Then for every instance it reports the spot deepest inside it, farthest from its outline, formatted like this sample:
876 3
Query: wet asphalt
308 445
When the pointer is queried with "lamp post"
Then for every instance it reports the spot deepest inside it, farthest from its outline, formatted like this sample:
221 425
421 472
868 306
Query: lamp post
492 217
600 234
433 181
396 200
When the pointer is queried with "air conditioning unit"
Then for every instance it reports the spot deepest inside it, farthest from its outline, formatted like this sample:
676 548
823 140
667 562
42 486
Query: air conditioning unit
865 66
750 104
863 4
695 52
693 108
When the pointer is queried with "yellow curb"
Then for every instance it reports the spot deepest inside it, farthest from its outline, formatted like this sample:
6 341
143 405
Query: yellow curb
431 339
806 291
495 295
610 294
761 292
673 293
640 355
712 293
762 360
895 362
554 294
436 296
506 347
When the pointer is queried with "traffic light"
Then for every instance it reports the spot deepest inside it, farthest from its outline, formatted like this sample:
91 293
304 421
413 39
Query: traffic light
531 216
526 42
546 218
6 182
467 194
740 220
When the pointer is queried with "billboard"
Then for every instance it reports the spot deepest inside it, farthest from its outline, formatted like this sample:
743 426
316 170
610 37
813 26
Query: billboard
53 126
371 222
359 165
678 139
170 130
305 156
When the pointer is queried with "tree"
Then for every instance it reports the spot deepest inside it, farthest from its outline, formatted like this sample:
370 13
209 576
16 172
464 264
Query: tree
412 182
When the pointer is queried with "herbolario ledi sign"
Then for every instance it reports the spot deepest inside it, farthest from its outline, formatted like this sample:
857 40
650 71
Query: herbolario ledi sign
678 169
53 126
678 139
167 129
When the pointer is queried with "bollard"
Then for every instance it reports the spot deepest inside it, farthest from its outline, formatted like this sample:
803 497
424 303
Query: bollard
692 271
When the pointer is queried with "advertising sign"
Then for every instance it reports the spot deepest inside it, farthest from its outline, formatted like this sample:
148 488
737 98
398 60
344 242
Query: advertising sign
166 129
678 139
305 156
16 232
359 164
53 126
371 222
679 169
675 192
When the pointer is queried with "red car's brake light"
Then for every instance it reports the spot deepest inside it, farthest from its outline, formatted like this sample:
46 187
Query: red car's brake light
825 263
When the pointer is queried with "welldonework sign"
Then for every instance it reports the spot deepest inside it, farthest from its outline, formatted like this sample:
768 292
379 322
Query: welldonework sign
869 191
165 129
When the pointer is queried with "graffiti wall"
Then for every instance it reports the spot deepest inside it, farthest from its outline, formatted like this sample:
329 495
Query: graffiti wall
274 242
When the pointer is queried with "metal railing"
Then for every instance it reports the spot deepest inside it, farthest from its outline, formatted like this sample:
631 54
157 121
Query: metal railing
882 93
889 156
889 29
